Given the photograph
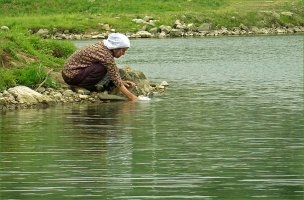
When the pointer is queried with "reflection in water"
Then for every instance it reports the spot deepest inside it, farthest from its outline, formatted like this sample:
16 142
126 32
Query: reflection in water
212 135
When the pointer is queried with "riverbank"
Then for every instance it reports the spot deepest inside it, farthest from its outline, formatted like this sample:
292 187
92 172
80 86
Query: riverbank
149 27
94 19
179 29
22 97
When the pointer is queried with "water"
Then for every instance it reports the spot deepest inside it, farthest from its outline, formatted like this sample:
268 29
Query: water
230 126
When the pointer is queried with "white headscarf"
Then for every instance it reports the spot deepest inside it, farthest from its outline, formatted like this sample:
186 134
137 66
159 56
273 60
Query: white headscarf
117 41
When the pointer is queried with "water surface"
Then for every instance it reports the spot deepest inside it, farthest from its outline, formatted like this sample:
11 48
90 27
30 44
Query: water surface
230 126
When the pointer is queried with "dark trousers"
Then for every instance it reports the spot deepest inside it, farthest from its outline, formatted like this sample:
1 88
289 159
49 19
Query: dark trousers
88 77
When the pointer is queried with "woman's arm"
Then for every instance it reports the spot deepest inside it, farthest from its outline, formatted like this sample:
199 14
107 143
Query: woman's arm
126 92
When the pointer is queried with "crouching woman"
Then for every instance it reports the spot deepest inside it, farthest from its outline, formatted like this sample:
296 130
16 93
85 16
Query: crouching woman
90 65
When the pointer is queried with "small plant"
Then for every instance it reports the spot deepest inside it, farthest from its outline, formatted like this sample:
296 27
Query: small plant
30 75
7 79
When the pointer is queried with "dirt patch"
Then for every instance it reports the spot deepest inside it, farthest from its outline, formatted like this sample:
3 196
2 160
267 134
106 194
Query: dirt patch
26 57
5 59
9 61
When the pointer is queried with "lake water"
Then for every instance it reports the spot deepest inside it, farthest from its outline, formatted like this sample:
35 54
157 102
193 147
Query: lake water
230 126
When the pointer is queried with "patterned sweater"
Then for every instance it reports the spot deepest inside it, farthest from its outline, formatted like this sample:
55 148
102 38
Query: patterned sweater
96 53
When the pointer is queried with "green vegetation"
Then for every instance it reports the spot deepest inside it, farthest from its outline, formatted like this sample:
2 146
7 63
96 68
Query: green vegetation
24 59
85 15
46 7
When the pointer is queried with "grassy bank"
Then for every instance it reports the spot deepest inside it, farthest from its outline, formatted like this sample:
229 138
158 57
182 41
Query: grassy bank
86 15
26 59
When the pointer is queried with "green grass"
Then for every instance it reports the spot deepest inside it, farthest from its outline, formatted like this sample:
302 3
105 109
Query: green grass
80 16
106 7
25 59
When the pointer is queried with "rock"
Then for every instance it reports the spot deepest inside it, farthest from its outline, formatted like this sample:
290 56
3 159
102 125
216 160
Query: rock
83 96
224 31
164 83
280 30
291 30
134 35
204 27
9 97
162 35
144 34
176 33
25 95
179 25
68 93
191 27
160 87
148 18
255 29
3 101
202 33
57 95
165 29
263 31
154 30
151 23
183 27
99 36
43 32
59 36
243 27
127 73
77 37
189 33
143 84
143 87
4 28
139 21
297 29
82 91
106 27
288 14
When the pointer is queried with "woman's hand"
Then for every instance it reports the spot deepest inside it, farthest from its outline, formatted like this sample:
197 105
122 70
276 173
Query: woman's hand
130 95
129 84
133 98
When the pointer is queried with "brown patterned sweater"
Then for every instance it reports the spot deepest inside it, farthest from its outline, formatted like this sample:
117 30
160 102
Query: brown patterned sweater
84 57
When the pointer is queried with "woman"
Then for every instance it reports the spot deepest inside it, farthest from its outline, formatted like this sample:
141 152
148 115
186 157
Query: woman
89 65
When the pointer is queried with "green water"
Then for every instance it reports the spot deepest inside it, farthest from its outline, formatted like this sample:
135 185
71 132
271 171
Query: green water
230 126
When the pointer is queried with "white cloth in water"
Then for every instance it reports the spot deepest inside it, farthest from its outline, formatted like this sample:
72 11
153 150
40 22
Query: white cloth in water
143 98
